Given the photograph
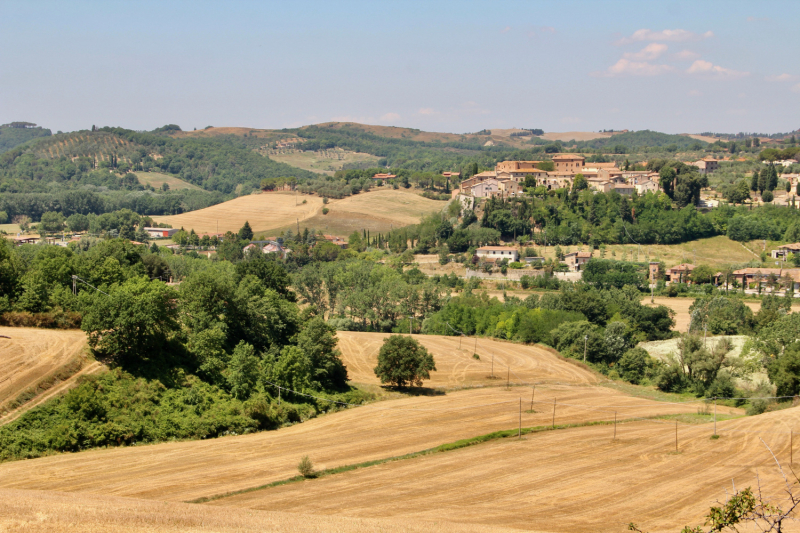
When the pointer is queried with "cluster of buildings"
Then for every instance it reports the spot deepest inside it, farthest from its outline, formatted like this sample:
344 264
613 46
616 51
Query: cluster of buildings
508 178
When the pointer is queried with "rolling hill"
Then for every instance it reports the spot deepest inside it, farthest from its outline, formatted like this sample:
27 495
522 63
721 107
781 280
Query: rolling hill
16 133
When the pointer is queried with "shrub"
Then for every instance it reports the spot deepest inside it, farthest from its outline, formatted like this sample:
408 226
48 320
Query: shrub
306 467
324 210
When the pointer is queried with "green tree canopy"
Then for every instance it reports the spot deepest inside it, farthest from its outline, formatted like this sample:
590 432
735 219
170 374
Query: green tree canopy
402 360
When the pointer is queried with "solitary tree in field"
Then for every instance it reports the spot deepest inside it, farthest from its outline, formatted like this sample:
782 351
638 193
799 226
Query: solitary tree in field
402 360
246 232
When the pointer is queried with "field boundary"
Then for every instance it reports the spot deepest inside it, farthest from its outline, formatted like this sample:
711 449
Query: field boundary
447 447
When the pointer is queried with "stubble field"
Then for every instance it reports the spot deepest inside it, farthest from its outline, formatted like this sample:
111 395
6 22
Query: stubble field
31 356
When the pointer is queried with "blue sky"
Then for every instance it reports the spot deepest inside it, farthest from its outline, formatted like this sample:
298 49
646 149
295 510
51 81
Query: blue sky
670 66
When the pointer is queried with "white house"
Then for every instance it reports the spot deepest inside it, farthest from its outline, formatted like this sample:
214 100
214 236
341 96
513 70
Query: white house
497 253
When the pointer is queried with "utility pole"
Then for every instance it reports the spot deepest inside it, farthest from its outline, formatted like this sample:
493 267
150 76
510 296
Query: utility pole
533 394
676 435
519 434
585 340
715 415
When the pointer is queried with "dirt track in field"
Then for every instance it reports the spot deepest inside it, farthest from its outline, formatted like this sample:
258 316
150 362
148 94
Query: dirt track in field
456 367
31 355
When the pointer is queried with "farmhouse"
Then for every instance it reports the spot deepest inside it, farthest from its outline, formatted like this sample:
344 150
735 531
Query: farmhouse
576 260
338 241
161 233
383 177
497 253
753 277
679 273
782 252
706 165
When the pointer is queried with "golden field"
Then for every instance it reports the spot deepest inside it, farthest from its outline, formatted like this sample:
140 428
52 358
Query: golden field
269 213
571 479
31 357
262 211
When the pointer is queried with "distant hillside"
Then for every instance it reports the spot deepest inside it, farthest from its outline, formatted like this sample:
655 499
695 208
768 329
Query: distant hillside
89 172
17 133
644 138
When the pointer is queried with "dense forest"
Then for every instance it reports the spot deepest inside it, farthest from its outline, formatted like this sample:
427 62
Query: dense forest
17 133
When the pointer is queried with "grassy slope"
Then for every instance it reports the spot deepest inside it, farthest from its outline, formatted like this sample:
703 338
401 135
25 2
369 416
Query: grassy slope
157 179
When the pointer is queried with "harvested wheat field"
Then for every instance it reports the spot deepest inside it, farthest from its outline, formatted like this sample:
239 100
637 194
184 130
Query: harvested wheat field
456 367
681 307
378 210
263 211
570 480
45 511
183 471
33 359
157 179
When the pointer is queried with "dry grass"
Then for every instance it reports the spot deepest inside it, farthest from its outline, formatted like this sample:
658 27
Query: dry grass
455 365
157 179
11 229
378 210
716 252
681 307
263 211
273 212
44 511
33 355
322 162
572 480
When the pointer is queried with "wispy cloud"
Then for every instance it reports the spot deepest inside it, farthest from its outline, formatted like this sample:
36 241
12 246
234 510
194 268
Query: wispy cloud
664 35
796 88
648 53
428 111
706 67
694 92
758 19
626 67
686 55
390 117
506 29
781 77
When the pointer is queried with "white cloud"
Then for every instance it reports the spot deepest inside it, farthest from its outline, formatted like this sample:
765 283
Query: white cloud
706 67
686 55
390 117
781 77
664 35
648 53
626 67
428 111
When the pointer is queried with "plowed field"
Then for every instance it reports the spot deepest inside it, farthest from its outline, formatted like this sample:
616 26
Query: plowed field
455 365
